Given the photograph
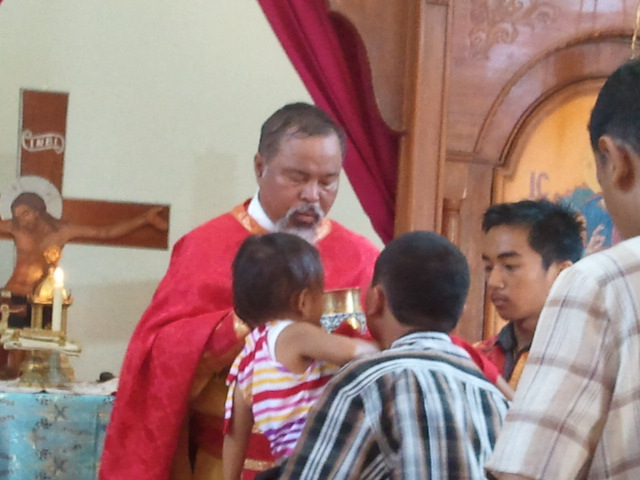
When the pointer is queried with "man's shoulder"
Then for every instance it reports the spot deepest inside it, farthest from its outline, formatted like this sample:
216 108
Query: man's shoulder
343 234
215 226
337 227
619 261
358 374
393 362
220 219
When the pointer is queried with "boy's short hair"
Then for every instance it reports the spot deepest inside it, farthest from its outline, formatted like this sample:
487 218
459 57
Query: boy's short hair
555 231
268 271
426 280
617 108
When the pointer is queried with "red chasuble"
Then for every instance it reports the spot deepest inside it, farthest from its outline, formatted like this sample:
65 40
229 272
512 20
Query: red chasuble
190 318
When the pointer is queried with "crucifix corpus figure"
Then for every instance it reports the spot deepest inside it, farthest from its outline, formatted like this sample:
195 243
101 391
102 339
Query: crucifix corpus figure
36 231
39 238
31 211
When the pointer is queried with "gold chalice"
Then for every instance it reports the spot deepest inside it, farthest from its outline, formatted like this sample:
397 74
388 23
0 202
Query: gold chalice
343 305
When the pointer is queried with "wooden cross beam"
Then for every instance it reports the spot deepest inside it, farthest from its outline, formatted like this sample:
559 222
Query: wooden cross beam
42 147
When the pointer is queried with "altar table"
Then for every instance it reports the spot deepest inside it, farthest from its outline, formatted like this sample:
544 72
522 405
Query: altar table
52 435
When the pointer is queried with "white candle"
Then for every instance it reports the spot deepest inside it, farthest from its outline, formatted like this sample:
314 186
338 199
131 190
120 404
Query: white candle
56 312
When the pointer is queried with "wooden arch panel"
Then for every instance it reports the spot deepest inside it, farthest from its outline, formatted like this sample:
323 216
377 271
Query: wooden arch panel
462 80
537 81
546 82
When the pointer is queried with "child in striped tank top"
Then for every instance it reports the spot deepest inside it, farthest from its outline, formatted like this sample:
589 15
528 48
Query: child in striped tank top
288 357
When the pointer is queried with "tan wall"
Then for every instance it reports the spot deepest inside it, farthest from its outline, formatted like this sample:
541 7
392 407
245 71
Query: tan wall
166 100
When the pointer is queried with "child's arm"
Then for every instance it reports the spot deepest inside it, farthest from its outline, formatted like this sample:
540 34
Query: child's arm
234 448
301 342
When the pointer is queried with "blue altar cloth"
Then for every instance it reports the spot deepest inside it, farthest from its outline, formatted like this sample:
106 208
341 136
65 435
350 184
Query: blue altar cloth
47 436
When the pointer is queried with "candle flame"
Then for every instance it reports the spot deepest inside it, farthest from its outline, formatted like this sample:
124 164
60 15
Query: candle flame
58 277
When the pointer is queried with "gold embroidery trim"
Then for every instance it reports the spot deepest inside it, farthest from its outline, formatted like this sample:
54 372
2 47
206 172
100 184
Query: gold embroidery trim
240 328
247 221
257 465
241 214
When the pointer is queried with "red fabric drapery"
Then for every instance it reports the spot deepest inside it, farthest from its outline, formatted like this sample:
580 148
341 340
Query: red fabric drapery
330 59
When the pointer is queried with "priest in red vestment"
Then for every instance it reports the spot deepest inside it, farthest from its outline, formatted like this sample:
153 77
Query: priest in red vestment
169 409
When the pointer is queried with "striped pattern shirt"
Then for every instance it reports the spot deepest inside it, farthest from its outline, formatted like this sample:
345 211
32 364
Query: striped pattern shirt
576 413
280 399
419 410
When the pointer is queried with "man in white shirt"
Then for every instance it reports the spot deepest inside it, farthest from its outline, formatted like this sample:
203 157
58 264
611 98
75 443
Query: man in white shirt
576 411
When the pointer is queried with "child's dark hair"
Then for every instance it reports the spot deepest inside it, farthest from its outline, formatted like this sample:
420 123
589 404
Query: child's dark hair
269 271
555 231
426 280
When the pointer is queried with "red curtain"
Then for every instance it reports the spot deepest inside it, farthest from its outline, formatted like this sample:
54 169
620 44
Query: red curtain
331 60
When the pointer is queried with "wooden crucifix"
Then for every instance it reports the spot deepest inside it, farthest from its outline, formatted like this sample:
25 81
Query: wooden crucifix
42 147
